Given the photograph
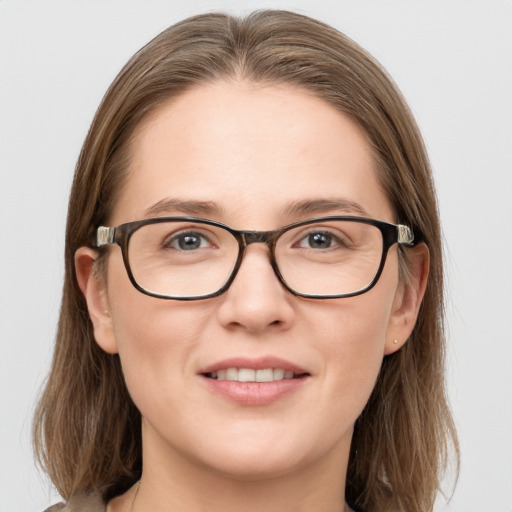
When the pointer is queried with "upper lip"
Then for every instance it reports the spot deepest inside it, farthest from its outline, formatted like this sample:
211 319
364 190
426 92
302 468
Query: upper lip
259 363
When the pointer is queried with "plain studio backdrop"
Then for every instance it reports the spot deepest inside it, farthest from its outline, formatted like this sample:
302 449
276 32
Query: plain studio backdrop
453 61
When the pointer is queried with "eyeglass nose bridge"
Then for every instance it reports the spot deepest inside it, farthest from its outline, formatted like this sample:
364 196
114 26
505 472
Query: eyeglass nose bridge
257 237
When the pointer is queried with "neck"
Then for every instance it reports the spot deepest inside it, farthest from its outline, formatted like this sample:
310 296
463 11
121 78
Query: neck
180 484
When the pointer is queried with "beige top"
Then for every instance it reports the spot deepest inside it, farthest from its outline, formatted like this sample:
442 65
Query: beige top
88 503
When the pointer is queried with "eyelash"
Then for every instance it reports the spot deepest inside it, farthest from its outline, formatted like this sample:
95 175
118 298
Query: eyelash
175 238
335 239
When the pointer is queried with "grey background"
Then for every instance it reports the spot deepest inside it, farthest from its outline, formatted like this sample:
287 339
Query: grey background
453 61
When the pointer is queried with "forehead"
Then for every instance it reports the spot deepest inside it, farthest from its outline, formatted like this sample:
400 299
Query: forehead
251 150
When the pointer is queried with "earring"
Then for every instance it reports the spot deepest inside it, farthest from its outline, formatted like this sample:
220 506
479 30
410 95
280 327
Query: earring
395 342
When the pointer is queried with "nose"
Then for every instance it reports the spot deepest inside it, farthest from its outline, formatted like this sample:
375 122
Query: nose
256 301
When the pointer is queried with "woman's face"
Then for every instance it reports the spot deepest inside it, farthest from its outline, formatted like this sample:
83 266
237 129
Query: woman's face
244 154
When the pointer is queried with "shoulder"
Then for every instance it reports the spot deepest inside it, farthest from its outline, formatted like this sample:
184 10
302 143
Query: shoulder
81 503
55 508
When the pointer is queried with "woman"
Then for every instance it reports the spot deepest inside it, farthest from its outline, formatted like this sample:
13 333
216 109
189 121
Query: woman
268 334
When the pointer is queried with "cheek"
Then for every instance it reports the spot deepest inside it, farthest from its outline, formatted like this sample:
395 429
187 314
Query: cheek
354 333
155 338
156 347
354 328
147 324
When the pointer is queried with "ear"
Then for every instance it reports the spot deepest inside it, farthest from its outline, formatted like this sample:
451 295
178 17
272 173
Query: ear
94 290
408 299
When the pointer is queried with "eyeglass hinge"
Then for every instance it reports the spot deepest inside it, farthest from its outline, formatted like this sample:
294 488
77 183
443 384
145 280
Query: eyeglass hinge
105 236
405 235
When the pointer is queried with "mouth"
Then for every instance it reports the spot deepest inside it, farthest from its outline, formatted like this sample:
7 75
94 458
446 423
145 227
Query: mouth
254 382
252 375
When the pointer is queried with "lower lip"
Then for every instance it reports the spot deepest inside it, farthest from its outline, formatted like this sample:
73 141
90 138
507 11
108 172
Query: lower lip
254 393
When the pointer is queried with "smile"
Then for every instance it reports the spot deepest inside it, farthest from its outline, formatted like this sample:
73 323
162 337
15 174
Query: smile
251 375
254 382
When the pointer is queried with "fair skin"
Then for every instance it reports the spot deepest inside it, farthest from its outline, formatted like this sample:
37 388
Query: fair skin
253 151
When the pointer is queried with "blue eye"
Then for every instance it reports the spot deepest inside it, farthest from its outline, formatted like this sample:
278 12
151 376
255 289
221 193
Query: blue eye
319 240
188 241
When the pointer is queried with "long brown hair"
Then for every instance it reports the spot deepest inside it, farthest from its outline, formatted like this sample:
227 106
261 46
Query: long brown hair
87 429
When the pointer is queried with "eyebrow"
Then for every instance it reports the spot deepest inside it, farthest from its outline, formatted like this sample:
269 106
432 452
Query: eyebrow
174 205
296 208
316 206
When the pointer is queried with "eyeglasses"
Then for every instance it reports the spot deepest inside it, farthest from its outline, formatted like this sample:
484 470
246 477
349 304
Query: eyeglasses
184 258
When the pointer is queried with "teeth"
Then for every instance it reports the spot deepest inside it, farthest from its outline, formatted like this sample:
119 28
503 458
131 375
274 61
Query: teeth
250 375
266 375
279 374
232 374
246 375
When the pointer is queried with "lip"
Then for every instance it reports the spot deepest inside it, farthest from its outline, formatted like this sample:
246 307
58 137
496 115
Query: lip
254 393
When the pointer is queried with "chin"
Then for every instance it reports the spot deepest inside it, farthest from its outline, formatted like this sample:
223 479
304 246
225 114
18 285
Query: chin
260 458
257 468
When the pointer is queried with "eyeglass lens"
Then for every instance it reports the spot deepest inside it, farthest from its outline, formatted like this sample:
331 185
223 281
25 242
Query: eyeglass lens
189 259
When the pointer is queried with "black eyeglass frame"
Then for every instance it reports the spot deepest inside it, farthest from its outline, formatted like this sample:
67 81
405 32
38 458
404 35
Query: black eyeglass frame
120 235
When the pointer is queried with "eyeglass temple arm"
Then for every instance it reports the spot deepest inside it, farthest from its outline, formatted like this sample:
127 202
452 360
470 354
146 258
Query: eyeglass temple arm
105 236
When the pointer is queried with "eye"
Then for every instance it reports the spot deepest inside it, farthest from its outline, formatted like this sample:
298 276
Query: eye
319 240
187 241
